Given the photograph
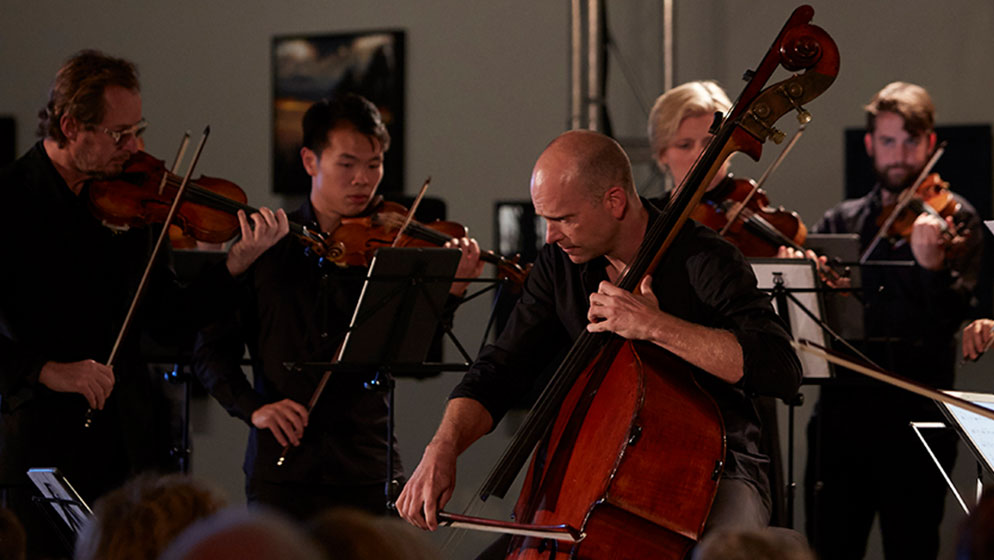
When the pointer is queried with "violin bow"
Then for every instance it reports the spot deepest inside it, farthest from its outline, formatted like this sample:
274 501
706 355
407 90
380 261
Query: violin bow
805 118
151 260
179 156
885 376
906 197
338 353
410 213
315 395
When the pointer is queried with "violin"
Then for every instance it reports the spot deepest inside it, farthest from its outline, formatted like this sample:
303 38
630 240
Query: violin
142 194
932 196
357 238
929 193
749 222
742 213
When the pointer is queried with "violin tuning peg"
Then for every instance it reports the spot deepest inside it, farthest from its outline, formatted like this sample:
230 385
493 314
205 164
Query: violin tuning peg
803 116
777 135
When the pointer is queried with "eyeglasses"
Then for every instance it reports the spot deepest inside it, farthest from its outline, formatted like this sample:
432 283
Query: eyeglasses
121 136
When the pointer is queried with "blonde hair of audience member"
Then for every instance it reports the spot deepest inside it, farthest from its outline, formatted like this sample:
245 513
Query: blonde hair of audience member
140 519
13 541
238 533
692 99
351 534
767 544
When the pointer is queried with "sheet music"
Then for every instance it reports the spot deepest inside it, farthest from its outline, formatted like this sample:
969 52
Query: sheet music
62 496
797 274
979 431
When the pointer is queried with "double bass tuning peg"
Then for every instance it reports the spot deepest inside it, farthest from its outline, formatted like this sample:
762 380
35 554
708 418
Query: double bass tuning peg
792 92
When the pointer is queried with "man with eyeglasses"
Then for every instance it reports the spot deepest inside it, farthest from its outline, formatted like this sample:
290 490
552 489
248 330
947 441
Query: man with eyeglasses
66 287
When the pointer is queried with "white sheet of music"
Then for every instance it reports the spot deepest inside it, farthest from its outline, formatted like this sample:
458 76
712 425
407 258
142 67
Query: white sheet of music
979 431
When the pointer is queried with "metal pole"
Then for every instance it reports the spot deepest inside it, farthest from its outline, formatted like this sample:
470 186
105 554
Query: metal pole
594 40
577 90
667 45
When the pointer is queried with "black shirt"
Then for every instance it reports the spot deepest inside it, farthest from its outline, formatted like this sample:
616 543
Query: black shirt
66 286
702 279
295 310
911 314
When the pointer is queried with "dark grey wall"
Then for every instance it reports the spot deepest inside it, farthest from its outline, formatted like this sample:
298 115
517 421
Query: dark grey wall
487 88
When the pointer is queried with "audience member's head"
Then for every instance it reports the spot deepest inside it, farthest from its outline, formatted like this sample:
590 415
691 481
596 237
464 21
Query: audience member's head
141 518
350 534
976 536
237 533
12 538
767 544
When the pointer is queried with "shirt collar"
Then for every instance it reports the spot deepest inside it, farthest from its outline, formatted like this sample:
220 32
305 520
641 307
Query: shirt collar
595 270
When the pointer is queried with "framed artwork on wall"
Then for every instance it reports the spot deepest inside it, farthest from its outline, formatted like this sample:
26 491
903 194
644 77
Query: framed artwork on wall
307 68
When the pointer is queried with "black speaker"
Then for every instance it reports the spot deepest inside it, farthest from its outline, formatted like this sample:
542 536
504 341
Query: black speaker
8 140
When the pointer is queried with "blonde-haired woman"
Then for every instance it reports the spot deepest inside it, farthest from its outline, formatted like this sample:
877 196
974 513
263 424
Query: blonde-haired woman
679 126
679 130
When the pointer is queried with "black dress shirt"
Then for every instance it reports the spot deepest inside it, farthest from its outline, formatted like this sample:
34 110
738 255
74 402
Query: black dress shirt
66 286
702 279
911 314
294 309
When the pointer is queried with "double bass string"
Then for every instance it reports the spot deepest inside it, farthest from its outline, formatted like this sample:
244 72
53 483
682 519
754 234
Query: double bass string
659 234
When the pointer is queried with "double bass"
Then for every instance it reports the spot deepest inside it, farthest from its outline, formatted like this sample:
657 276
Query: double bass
630 448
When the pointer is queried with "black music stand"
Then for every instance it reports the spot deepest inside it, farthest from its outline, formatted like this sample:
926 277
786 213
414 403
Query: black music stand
794 291
400 307
60 503
798 297
399 312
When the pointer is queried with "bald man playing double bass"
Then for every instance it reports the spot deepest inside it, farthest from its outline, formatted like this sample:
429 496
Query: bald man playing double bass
701 304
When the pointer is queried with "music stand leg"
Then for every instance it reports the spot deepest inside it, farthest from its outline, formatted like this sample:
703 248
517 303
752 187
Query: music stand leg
918 427
791 483
182 453
384 382
980 482
779 295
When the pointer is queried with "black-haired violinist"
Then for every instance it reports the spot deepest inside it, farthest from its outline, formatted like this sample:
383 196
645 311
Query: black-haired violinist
293 308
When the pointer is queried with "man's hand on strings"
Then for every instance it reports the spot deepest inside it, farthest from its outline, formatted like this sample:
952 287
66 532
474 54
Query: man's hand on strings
632 316
93 380
976 338
266 229
430 487
470 265
285 418
927 244
830 280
